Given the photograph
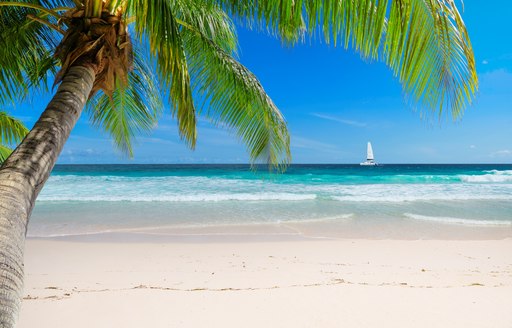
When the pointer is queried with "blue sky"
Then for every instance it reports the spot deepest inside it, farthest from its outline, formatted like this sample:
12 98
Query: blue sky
334 103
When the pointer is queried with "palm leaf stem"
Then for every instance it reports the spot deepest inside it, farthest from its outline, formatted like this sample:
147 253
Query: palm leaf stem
44 22
52 12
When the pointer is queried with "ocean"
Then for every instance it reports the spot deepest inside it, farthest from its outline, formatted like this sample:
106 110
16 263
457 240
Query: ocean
310 201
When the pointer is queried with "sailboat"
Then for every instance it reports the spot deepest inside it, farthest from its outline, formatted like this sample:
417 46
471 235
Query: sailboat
369 157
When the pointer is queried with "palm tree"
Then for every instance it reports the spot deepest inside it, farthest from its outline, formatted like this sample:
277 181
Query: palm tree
191 44
12 131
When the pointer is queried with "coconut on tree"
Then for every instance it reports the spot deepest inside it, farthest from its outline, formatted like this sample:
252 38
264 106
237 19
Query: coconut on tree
117 59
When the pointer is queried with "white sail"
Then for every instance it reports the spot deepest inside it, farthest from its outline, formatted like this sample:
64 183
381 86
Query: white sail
370 160
369 153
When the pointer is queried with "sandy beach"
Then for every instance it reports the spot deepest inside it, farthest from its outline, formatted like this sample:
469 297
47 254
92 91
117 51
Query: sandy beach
228 282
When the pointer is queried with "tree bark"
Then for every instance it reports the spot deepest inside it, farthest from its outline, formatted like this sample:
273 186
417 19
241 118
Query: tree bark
23 175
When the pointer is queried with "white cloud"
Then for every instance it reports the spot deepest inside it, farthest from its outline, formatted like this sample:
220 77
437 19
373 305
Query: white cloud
76 138
340 120
158 141
472 146
485 62
502 153
89 152
306 143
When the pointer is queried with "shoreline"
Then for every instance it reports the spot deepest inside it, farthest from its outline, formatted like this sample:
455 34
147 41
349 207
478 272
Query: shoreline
144 238
285 283
289 231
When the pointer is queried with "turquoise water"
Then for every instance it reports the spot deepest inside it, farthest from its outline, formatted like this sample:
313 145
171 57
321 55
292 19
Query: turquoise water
322 200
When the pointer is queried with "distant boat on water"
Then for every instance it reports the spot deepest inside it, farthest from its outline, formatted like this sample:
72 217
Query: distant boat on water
370 161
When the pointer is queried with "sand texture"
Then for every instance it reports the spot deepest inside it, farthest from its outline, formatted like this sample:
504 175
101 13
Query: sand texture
331 283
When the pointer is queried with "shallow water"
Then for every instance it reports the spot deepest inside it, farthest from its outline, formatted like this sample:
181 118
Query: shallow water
389 201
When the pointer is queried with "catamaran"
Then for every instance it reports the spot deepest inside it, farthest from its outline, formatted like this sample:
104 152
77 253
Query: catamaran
369 157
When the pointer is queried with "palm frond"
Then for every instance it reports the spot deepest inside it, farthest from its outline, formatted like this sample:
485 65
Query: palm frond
156 22
428 48
279 17
209 20
193 43
26 53
4 153
197 48
58 3
425 42
235 98
131 110
12 130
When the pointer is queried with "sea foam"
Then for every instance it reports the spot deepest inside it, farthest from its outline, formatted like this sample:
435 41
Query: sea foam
89 199
458 221
183 197
492 176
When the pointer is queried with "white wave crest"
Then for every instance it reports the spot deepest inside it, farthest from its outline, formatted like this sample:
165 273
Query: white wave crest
458 221
184 198
399 198
395 193
492 176
502 172
485 178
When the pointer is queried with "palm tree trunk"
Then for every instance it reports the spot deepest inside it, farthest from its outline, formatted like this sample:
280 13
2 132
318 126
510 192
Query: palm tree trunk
23 175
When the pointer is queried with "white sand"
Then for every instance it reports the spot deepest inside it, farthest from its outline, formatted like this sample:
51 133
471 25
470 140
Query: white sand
341 283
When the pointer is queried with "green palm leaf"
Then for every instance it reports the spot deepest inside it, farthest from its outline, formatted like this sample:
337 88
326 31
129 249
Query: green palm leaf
12 130
156 23
131 110
279 17
193 44
26 52
234 98
207 19
425 42
201 36
4 153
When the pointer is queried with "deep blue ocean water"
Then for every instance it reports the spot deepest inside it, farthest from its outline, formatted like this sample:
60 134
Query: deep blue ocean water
86 199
